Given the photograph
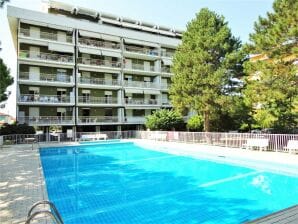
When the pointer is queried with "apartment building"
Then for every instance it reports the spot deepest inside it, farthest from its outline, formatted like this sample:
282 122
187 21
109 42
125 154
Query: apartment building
88 71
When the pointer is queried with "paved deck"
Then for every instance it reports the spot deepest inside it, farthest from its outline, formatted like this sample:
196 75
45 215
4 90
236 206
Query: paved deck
21 182
285 216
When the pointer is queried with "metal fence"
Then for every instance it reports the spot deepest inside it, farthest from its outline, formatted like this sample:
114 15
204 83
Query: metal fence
276 142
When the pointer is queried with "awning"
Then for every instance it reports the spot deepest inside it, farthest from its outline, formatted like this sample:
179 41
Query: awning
89 51
88 12
139 42
90 34
167 61
111 53
110 38
133 91
61 47
46 25
152 92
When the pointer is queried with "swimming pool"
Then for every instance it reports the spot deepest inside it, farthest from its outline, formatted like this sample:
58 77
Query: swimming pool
125 183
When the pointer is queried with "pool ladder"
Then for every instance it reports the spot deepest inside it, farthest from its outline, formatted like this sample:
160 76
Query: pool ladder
52 213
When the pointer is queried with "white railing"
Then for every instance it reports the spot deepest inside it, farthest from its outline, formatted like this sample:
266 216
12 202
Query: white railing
99 81
166 103
141 50
167 54
97 100
277 142
99 62
45 56
47 120
30 98
141 101
141 84
140 67
45 35
97 119
135 119
99 43
46 77
165 69
165 86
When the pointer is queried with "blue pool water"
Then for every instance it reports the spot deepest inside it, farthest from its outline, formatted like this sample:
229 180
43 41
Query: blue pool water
124 183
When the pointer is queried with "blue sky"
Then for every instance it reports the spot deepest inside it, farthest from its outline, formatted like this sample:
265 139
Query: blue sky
240 14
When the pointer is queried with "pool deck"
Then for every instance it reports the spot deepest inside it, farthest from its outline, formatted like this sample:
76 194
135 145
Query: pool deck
22 182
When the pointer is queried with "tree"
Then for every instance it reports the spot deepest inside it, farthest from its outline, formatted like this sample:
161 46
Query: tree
2 3
205 66
272 85
164 120
195 123
5 80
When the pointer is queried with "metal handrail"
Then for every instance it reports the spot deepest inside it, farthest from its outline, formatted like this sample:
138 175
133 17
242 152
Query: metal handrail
54 213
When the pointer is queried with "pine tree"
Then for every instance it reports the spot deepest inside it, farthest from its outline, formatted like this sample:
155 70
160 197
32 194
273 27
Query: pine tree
272 84
204 66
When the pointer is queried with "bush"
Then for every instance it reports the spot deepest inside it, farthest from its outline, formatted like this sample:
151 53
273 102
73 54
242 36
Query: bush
165 120
12 129
195 123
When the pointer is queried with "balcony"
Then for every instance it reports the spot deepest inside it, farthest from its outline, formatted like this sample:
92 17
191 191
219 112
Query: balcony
100 63
44 35
140 84
135 120
165 86
147 102
99 43
167 54
45 79
99 81
140 53
47 120
97 119
140 69
166 103
44 99
97 100
24 54
166 69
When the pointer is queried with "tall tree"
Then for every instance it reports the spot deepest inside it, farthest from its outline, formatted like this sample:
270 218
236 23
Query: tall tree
204 66
5 80
272 85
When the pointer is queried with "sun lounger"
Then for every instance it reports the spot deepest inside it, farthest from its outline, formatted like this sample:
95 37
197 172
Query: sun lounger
261 143
90 137
292 146
158 136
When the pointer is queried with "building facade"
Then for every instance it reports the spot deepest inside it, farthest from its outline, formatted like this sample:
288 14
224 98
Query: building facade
89 71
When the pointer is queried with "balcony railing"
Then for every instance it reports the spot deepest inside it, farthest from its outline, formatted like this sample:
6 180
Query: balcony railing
166 69
51 99
99 62
97 119
141 84
46 56
140 67
47 120
165 86
99 81
167 54
46 77
97 100
44 35
141 50
136 119
141 102
99 43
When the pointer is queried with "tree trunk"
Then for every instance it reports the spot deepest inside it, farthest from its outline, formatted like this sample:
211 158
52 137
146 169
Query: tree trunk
206 121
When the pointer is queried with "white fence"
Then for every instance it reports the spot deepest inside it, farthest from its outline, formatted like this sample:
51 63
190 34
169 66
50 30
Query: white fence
277 142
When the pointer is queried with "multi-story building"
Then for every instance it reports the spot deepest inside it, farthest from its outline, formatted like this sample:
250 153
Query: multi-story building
79 68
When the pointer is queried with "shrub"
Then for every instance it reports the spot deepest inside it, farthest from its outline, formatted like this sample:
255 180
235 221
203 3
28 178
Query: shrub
11 129
195 123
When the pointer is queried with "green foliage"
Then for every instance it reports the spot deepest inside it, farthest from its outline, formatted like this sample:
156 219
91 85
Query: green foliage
11 129
5 80
272 87
204 66
195 123
164 120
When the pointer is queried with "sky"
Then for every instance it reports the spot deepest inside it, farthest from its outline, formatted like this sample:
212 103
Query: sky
240 14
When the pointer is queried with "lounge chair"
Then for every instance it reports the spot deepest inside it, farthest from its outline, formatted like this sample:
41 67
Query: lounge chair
261 143
292 146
